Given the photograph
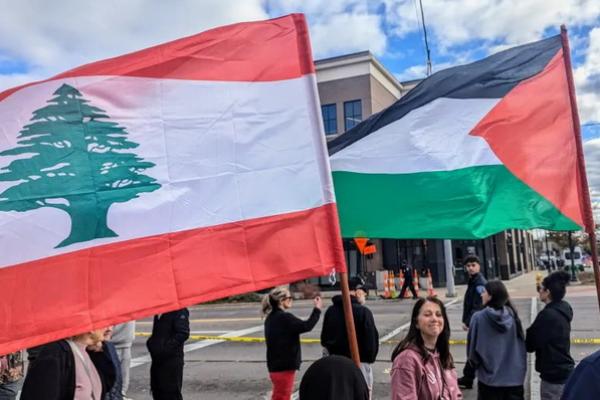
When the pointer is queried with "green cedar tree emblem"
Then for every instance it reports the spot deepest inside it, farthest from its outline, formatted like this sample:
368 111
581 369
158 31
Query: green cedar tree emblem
71 157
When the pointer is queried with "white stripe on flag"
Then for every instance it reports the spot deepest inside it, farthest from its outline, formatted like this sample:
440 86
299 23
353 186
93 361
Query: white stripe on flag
426 139
224 152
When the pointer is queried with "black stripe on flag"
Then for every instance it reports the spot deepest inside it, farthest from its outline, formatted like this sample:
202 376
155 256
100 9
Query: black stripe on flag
492 77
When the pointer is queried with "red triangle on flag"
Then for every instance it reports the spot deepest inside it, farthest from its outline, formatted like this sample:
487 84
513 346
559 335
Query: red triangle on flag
531 131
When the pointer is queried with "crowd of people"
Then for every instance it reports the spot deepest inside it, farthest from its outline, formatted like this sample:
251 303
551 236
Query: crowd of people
422 365
95 365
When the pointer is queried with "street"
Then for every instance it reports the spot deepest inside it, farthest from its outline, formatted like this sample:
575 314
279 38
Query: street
234 370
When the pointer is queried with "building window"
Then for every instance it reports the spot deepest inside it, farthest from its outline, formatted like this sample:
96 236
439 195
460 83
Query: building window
352 113
329 118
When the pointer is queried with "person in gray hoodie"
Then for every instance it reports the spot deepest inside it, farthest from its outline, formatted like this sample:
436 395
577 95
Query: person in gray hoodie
122 337
496 346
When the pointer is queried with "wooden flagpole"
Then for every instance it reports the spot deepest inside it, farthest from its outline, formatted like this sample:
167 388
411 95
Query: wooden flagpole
589 215
350 330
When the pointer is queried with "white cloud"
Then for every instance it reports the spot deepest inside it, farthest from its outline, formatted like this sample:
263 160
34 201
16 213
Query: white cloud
587 80
52 37
339 26
316 9
454 22
413 72
420 71
55 36
345 33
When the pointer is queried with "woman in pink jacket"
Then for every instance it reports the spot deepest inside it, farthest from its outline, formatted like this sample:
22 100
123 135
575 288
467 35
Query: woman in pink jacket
423 368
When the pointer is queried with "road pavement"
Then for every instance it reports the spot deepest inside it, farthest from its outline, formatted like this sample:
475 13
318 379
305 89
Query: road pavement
232 370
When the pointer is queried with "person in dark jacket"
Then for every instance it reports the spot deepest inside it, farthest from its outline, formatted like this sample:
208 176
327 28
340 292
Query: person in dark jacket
334 337
33 353
496 346
61 368
471 304
169 333
333 378
550 336
282 333
584 382
105 358
408 272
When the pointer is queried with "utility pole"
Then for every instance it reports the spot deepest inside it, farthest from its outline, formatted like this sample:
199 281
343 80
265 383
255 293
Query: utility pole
547 250
450 289
427 51
571 256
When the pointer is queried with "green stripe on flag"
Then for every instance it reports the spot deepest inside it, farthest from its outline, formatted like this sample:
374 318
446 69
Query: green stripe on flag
468 203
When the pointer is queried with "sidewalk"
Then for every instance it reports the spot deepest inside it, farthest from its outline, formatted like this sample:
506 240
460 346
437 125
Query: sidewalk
523 286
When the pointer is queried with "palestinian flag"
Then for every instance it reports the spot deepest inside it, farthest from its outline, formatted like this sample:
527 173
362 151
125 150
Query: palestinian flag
469 152
175 175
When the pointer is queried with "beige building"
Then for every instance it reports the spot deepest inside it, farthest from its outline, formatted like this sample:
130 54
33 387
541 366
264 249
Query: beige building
351 88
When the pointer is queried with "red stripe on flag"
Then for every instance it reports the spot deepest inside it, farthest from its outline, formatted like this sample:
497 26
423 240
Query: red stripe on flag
531 132
271 50
71 293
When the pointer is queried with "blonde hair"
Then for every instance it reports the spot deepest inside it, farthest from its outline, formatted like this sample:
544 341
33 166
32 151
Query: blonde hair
273 299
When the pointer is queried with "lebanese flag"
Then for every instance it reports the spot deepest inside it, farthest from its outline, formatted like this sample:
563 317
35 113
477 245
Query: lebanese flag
178 174
471 151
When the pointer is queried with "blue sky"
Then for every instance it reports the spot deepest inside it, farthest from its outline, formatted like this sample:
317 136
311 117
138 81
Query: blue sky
40 38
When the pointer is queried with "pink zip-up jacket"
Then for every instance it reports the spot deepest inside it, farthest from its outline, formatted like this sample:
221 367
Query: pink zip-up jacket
416 379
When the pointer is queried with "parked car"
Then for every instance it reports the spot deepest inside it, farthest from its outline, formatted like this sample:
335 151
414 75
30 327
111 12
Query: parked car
577 257
551 264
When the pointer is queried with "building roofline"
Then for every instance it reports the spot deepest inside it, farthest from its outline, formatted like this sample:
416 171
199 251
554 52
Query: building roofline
350 56
355 58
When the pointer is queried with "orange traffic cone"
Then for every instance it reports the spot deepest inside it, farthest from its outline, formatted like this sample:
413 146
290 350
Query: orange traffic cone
430 291
392 282
416 281
386 286
407 294
400 279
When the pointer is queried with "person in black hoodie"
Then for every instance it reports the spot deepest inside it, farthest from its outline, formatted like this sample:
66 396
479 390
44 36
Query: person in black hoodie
333 378
282 333
471 303
550 336
334 337
169 333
